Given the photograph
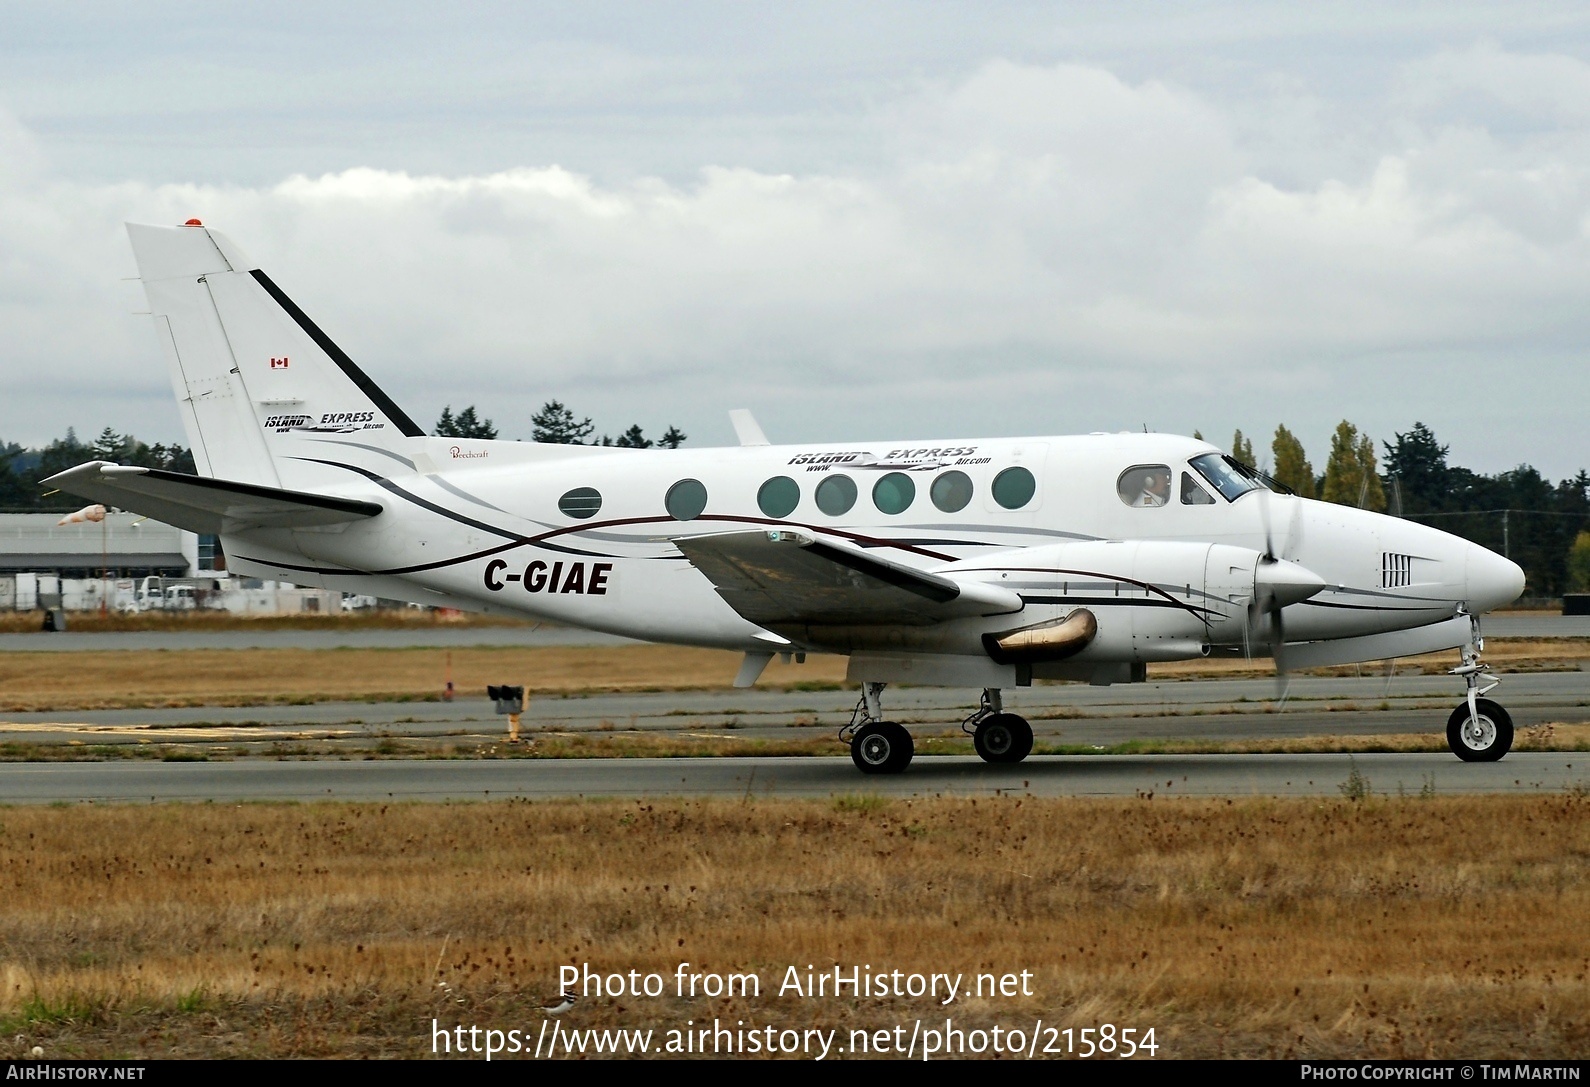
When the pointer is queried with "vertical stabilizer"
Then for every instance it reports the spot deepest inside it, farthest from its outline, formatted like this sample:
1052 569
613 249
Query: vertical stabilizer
258 383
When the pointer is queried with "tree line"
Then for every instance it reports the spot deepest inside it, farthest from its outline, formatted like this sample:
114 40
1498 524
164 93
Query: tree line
1541 525
22 470
555 424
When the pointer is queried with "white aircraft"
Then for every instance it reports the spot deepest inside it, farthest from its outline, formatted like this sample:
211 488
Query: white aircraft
983 562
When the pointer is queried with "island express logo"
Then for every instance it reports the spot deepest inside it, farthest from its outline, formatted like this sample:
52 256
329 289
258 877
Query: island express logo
909 460
332 422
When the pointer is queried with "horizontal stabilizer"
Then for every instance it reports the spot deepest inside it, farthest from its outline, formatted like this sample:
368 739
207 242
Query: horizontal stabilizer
783 578
206 505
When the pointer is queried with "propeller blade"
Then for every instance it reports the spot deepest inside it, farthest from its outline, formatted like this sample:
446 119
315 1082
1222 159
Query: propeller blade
1264 520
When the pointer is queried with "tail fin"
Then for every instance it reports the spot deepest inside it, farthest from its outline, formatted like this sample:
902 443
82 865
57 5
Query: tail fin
256 380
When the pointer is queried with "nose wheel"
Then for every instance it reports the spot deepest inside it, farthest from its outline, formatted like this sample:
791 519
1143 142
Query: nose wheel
1479 730
1483 735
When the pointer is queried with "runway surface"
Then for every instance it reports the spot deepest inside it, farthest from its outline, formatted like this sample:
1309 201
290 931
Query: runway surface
1221 709
752 778
345 734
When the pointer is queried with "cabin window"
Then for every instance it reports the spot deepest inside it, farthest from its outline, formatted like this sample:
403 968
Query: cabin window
779 496
686 499
1144 485
582 502
894 493
1014 487
836 494
1192 494
951 491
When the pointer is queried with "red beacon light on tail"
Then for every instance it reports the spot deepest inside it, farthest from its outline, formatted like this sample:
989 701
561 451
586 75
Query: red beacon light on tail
193 222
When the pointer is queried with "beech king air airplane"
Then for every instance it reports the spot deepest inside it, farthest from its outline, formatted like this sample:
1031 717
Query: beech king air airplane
983 563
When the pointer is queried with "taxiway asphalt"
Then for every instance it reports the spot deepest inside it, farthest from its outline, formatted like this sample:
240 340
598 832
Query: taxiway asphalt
1210 709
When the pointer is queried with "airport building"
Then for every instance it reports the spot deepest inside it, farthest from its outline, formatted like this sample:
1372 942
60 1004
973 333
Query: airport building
123 545
132 563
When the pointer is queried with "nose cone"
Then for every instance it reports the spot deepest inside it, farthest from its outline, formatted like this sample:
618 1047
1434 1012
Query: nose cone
1492 581
1285 582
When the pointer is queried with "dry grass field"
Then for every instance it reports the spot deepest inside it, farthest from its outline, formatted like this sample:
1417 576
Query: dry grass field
32 681
1378 928
247 677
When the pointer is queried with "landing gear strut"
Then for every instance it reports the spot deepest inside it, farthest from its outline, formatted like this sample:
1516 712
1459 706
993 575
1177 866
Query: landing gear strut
1479 730
998 736
876 746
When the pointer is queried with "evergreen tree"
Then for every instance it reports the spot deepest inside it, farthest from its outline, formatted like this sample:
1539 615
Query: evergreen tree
1242 450
466 424
555 425
1350 478
14 491
61 454
673 438
1292 468
632 439
1418 464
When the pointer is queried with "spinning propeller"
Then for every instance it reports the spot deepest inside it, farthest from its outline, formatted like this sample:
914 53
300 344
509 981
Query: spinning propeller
1277 582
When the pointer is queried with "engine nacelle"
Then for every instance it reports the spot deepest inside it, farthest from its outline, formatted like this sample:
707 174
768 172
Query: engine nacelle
1147 600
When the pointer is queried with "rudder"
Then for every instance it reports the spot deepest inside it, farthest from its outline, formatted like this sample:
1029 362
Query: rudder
255 378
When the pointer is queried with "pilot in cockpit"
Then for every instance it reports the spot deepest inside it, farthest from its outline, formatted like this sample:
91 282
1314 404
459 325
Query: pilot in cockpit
1156 489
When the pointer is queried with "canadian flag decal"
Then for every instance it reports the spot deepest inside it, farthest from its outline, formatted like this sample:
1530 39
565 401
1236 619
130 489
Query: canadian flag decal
279 364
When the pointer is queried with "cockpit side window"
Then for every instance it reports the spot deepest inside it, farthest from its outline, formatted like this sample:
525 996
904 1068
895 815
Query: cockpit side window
1231 478
1144 485
1192 494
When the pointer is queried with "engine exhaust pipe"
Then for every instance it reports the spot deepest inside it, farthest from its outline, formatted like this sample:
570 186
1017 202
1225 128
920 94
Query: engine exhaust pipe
1052 641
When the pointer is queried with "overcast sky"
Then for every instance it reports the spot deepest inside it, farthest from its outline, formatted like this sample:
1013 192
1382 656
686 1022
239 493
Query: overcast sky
862 221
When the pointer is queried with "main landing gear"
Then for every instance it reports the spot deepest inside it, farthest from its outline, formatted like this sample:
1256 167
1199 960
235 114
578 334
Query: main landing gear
876 746
1479 730
884 747
997 735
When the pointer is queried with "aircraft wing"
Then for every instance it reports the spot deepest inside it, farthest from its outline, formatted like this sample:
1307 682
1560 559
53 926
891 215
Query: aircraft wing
781 578
206 505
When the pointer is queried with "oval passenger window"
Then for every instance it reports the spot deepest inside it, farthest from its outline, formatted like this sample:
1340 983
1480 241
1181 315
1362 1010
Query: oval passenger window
686 499
582 502
894 493
951 491
835 495
779 496
1014 487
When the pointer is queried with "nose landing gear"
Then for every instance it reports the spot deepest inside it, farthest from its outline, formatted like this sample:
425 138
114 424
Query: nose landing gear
1479 730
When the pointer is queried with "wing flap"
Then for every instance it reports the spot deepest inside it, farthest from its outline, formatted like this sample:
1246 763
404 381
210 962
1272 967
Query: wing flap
206 505
781 578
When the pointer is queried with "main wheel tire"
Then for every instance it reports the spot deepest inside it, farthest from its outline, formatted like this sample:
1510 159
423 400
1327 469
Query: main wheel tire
881 747
1483 739
1003 737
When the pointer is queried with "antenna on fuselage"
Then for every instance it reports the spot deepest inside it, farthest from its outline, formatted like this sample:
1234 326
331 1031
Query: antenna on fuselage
746 428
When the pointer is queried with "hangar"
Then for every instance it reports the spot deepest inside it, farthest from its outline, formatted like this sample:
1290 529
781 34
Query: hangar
122 545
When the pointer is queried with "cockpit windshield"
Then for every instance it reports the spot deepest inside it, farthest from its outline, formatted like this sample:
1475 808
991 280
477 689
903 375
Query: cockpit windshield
1231 478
